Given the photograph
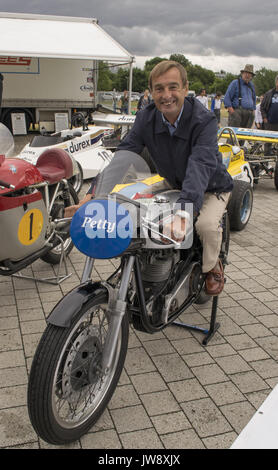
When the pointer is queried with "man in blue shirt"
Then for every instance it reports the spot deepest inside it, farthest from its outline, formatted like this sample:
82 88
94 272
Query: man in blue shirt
240 99
269 110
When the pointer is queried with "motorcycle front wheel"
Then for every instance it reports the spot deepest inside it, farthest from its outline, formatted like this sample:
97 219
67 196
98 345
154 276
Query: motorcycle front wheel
67 391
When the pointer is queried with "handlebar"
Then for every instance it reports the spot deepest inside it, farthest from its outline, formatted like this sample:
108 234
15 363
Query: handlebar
62 224
156 229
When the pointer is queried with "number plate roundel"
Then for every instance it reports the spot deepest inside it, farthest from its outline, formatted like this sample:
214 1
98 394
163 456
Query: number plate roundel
30 227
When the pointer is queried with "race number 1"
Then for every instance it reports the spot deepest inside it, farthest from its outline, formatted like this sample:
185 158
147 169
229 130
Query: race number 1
30 227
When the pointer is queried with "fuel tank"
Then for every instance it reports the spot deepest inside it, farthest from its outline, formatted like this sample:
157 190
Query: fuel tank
19 173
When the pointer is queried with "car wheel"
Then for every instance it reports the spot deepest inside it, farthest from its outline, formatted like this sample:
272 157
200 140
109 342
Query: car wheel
276 176
77 180
240 205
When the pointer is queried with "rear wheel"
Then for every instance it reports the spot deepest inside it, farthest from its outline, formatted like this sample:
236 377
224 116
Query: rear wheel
77 180
240 205
223 255
225 245
63 199
7 118
276 175
67 390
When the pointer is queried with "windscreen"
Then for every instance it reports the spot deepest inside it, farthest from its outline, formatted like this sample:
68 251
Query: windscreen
125 168
6 141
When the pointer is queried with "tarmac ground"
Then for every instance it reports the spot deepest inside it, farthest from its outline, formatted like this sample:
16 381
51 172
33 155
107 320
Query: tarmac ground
174 393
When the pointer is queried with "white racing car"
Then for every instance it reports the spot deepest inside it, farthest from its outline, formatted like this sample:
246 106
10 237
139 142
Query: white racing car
83 145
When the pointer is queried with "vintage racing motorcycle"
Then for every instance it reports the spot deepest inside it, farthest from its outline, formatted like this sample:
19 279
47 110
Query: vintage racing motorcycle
32 197
80 357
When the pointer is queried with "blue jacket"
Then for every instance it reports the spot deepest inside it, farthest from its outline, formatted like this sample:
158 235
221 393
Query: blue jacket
212 106
248 95
189 160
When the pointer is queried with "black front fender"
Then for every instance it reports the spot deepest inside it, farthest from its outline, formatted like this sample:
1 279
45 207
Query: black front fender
64 312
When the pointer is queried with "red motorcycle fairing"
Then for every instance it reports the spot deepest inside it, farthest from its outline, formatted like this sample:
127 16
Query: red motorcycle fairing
18 173
7 203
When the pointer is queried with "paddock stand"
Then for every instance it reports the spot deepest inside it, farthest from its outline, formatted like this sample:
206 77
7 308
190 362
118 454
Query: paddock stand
213 327
51 280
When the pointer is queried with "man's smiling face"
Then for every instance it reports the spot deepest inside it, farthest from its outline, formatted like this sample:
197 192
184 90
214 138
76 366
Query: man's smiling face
168 93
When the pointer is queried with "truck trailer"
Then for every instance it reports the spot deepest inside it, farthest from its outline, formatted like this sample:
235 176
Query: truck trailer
50 68
42 88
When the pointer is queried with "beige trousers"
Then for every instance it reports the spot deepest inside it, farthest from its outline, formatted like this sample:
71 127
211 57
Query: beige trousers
208 227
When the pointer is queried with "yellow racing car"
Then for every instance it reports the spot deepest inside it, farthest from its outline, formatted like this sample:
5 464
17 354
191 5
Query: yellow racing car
241 201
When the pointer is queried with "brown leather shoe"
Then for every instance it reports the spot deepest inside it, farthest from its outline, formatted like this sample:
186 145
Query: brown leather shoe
215 280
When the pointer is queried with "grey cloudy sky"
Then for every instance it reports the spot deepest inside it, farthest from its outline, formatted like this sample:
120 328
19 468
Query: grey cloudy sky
212 33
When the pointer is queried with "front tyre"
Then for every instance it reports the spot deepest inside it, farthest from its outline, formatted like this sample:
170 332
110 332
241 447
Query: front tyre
67 392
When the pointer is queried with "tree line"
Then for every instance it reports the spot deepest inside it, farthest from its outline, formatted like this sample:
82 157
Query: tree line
198 77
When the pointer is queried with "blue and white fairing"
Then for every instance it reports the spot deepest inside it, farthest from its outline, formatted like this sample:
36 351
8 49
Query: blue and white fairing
129 204
103 227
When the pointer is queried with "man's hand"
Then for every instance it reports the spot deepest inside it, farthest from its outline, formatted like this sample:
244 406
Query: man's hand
231 110
176 229
70 210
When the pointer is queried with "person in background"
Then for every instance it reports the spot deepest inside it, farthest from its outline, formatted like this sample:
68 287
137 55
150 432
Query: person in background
144 100
114 98
202 97
124 102
259 123
269 110
240 99
216 106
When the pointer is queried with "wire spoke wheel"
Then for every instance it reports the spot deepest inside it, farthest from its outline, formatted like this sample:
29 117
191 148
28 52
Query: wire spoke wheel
78 383
68 390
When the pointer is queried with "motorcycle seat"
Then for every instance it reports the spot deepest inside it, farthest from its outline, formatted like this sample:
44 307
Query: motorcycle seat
54 165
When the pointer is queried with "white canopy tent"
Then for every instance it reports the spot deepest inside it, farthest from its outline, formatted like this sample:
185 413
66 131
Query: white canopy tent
61 37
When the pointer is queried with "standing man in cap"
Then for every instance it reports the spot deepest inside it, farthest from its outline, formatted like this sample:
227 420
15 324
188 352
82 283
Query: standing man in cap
269 110
240 99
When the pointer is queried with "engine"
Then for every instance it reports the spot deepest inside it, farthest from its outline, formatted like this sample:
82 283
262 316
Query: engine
156 267
168 280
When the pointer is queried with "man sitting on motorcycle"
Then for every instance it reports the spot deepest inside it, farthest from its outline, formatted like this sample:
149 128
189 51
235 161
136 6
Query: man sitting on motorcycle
181 136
